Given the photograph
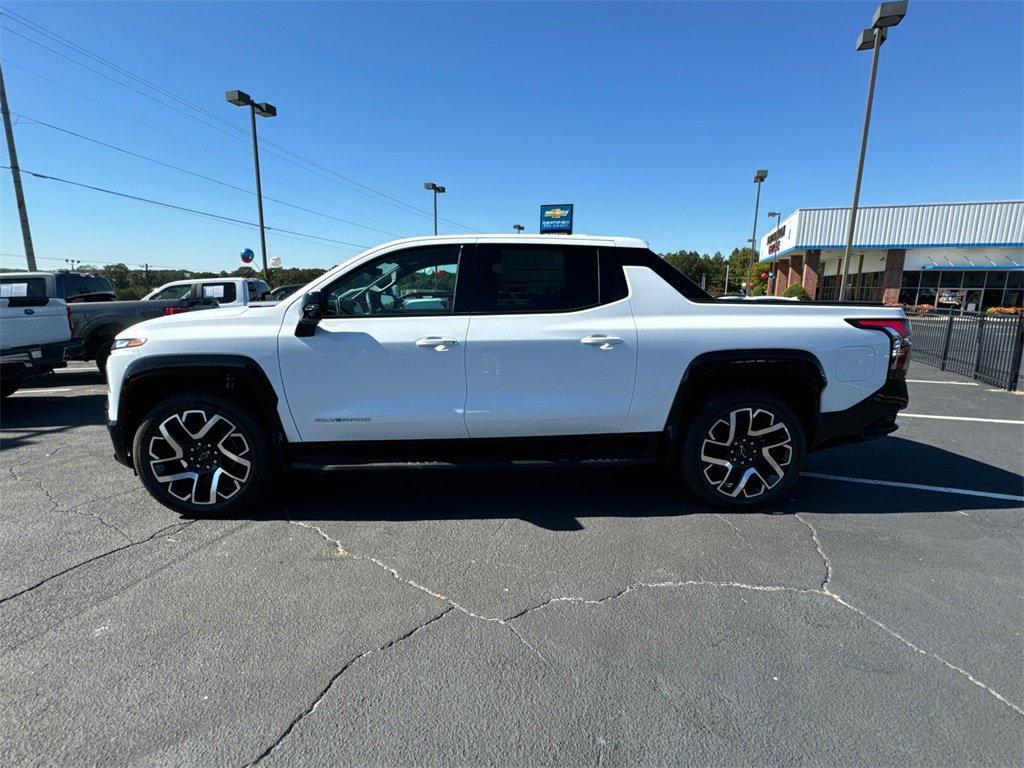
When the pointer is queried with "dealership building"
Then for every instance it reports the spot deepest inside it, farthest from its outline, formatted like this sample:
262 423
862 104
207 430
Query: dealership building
955 255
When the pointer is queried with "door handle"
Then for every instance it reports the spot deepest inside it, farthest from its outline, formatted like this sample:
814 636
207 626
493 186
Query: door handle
601 341
437 343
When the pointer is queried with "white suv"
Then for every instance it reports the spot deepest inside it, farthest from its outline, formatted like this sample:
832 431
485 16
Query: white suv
491 349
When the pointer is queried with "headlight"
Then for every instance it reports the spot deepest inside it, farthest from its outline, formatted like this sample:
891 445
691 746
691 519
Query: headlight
126 343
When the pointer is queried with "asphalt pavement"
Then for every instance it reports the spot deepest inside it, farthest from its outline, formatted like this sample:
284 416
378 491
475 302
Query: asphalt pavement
528 617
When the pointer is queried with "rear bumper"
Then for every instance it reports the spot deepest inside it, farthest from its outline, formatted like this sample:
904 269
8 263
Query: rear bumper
872 417
39 358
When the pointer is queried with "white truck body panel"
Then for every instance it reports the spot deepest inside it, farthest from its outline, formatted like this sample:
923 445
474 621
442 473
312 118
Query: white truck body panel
33 326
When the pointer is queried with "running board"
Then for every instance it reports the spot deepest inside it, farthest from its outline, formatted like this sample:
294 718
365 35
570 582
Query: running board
335 464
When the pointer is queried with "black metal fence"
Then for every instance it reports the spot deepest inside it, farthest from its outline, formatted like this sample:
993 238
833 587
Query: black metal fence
983 346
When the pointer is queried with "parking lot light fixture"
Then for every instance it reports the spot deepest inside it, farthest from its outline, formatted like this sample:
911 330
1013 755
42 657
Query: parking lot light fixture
437 189
886 15
518 228
263 109
759 177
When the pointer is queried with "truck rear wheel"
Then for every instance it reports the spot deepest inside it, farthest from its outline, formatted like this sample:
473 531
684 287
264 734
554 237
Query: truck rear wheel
742 450
199 453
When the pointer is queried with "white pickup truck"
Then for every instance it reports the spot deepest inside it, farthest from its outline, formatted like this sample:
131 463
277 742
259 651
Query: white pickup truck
489 349
226 291
35 332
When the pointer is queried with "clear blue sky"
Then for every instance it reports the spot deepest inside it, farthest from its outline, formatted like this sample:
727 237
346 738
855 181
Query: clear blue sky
651 118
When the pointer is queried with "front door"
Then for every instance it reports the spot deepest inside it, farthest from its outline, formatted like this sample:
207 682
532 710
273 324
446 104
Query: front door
548 353
387 361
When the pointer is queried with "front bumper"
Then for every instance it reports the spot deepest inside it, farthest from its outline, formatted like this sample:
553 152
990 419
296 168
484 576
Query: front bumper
872 417
120 447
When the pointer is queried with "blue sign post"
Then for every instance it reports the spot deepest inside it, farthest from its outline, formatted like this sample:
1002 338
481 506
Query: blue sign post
556 218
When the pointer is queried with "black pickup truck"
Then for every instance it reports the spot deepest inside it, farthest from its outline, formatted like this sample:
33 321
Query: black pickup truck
96 314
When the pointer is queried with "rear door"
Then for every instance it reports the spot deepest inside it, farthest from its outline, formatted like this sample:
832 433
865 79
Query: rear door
551 347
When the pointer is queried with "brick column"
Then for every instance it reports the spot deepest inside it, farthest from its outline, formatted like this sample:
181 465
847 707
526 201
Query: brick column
796 268
781 277
812 263
892 278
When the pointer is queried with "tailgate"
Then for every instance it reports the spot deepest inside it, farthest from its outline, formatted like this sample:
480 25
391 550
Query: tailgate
30 321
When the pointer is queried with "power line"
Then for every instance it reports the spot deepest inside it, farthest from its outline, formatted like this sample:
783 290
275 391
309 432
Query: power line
184 209
191 144
198 175
282 152
88 262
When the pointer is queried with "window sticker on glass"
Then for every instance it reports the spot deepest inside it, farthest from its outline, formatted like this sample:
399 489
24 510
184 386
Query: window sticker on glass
213 291
13 289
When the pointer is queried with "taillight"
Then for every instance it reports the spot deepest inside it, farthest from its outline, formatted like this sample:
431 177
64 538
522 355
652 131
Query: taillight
898 331
175 310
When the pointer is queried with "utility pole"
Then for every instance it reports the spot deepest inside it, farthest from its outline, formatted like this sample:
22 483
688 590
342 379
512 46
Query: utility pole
146 268
19 193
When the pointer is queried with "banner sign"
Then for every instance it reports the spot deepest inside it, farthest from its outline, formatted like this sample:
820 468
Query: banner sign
556 218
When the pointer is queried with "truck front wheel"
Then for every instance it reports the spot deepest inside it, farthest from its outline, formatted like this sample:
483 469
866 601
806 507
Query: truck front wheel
742 450
199 453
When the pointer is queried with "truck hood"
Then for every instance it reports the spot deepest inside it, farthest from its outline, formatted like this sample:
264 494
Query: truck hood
177 323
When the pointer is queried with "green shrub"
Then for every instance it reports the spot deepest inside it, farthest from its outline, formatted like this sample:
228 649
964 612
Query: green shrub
796 290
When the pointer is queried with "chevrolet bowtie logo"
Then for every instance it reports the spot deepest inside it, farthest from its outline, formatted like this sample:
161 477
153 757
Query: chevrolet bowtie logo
555 213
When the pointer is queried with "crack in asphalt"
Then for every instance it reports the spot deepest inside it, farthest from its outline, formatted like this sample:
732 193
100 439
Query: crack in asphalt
726 520
335 677
55 504
170 530
342 552
824 590
821 553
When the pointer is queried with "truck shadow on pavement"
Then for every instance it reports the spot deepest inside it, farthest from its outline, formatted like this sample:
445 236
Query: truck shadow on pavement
558 499
24 420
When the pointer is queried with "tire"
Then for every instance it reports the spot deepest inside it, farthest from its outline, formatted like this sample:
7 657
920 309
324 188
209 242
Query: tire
102 353
9 386
220 475
742 450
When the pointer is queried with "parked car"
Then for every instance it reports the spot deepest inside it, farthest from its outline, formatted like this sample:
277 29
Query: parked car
96 316
35 332
487 349
228 291
284 291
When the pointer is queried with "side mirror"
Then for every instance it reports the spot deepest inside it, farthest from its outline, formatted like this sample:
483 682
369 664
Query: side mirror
311 314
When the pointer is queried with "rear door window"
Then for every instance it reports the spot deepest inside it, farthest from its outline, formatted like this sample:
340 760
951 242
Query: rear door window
222 292
512 278
22 287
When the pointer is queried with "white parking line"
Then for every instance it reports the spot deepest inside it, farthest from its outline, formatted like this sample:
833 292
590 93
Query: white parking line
43 391
915 486
935 381
958 418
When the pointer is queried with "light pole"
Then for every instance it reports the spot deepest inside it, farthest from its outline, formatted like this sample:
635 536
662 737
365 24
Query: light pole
518 228
437 190
759 176
886 15
777 215
263 109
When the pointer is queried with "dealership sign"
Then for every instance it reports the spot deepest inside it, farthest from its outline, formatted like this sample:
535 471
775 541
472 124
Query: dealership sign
556 218
775 239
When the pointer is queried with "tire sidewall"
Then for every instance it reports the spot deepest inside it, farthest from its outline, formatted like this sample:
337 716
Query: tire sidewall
254 434
692 468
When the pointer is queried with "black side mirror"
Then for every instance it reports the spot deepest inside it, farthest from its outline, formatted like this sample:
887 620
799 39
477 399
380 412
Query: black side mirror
312 313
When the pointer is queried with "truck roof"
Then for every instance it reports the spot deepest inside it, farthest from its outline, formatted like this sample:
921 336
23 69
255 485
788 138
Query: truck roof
613 240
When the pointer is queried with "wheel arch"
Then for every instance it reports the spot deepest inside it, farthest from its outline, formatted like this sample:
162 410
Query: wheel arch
794 376
149 380
97 332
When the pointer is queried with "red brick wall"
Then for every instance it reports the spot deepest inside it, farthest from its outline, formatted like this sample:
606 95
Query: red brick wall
781 277
812 262
796 269
893 276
